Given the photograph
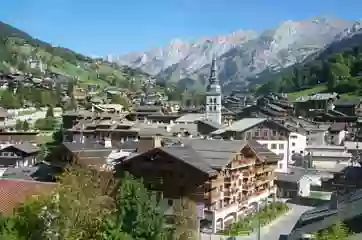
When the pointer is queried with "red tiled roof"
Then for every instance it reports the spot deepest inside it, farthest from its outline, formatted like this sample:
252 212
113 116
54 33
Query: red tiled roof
15 191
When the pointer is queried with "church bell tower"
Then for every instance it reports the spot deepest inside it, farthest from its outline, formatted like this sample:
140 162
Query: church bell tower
213 96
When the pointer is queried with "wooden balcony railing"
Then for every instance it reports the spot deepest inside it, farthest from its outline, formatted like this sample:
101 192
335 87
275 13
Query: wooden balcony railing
227 193
264 179
259 170
228 179
247 186
248 174
242 162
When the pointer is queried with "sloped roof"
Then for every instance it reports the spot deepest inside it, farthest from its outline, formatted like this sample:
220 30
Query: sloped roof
216 153
25 147
188 155
210 123
191 117
240 126
14 192
209 156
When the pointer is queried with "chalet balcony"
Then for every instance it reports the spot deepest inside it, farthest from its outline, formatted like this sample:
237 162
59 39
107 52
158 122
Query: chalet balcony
264 169
242 162
270 168
259 170
227 194
248 174
247 186
264 179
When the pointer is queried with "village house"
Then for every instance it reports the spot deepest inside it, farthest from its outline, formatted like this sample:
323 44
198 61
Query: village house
19 155
224 178
278 138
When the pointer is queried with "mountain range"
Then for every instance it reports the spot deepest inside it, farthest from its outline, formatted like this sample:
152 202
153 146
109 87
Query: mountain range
242 55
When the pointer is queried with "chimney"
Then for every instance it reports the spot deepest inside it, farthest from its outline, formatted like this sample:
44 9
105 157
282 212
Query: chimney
147 143
333 202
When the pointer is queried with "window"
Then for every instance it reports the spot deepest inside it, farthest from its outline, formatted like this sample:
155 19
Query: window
265 133
220 204
215 108
273 146
265 145
281 146
280 165
256 133
221 188
170 202
210 100
210 108
293 144
214 100
274 133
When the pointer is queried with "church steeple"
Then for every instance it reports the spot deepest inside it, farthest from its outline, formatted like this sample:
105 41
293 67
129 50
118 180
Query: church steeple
214 85
212 77
213 95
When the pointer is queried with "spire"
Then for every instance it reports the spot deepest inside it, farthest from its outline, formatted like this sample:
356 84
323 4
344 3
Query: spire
212 77
214 85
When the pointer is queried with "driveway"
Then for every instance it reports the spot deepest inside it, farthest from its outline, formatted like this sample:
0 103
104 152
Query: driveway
281 226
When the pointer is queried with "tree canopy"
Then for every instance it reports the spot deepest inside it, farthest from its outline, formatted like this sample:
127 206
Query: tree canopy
341 72
87 204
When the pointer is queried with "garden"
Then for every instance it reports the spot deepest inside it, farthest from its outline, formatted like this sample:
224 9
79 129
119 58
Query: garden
247 224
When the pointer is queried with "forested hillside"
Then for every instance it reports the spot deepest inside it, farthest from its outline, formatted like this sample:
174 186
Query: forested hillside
20 51
340 68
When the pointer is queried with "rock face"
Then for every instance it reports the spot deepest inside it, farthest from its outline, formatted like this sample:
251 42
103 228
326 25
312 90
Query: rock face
241 54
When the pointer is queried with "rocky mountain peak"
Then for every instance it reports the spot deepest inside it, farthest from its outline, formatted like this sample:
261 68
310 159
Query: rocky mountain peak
241 53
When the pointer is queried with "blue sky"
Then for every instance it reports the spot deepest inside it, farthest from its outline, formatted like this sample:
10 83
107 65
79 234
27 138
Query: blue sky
103 27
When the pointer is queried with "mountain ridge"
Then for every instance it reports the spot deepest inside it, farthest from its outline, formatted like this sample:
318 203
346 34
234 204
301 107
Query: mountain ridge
19 51
241 54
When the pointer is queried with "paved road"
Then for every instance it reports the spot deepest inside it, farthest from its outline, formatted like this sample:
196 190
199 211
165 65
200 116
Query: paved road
281 226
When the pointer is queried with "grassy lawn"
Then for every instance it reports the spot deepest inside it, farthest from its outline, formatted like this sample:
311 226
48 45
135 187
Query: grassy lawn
294 95
249 223
26 112
44 137
317 89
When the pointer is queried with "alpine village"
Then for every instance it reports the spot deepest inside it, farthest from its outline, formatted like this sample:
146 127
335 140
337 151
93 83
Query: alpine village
95 149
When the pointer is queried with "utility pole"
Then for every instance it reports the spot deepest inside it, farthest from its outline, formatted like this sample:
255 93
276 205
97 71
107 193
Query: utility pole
258 227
